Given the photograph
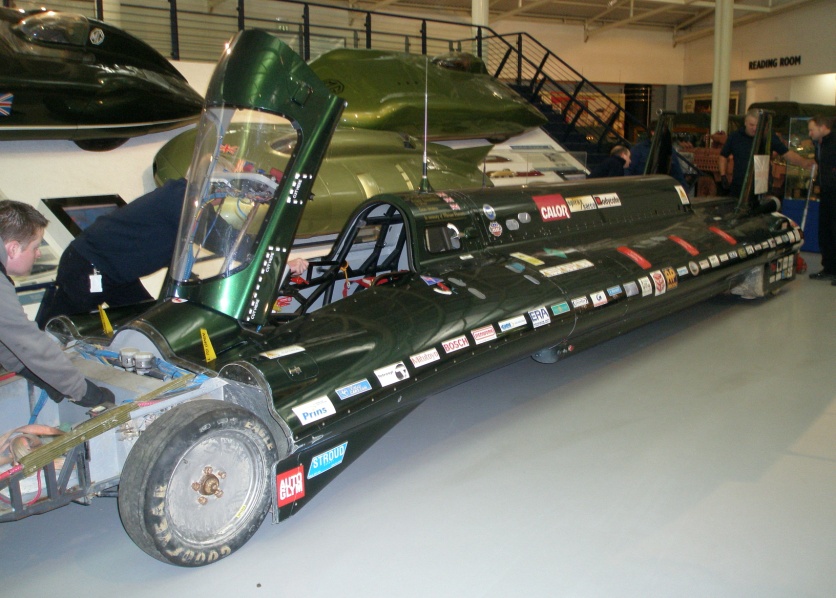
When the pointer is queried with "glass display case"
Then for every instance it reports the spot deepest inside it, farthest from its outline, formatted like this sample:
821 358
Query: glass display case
798 178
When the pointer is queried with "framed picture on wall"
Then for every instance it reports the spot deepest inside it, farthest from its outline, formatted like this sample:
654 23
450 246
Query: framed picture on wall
701 103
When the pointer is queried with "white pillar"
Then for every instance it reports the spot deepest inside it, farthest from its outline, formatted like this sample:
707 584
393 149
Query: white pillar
720 90
479 16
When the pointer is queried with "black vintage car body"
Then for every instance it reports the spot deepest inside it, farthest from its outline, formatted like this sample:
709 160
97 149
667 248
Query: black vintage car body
64 76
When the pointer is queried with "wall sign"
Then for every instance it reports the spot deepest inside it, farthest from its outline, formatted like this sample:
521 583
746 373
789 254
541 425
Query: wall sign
774 63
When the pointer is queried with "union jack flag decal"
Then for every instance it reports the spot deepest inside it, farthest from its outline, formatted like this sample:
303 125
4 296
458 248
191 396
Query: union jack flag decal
6 104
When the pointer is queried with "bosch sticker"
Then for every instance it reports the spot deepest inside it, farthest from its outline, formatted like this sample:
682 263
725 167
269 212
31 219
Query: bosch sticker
455 344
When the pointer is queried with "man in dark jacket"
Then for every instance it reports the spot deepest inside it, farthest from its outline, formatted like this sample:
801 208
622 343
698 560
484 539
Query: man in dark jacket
820 132
614 165
104 263
24 349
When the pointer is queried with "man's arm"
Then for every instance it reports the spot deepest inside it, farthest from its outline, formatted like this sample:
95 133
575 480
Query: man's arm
792 158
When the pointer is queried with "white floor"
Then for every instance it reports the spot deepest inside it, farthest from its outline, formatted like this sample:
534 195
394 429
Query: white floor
693 457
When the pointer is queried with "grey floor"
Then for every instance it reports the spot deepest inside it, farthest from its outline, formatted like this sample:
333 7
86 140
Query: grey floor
693 457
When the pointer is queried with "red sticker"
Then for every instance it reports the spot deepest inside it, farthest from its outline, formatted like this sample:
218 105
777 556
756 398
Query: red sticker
684 244
552 207
635 257
290 486
723 235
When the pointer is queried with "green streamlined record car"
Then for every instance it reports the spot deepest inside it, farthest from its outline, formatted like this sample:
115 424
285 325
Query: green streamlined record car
245 391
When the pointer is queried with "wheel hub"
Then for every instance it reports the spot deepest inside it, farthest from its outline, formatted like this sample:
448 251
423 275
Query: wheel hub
209 485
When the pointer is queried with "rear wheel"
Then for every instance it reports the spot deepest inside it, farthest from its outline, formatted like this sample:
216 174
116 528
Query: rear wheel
100 145
196 486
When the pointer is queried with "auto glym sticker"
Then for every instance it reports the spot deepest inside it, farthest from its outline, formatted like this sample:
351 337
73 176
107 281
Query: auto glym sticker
560 308
314 410
527 258
455 344
646 285
582 203
607 200
510 324
483 334
392 374
566 268
327 460
659 284
290 486
599 298
424 357
539 317
551 207
282 351
353 389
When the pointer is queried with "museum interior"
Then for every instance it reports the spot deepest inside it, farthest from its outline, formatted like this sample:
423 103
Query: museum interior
444 159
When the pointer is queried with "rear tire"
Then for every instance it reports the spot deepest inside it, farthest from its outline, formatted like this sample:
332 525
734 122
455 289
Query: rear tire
196 485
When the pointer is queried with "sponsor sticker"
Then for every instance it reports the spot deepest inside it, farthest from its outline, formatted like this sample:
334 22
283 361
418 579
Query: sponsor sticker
524 217
510 324
527 259
455 344
560 308
580 303
671 279
613 291
659 284
327 460
489 212
290 486
392 374
424 358
512 224
496 229
582 203
714 261
724 257
353 389
607 200
552 207
704 264
683 196
693 268
631 289
431 280
314 410
646 285
483 334
566 268
515 267
282 351
741 253
599 298
539 317
682 271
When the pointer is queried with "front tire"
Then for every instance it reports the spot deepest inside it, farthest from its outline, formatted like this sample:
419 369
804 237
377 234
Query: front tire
196 485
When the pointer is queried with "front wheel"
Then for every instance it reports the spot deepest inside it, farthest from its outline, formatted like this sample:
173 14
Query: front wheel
196 486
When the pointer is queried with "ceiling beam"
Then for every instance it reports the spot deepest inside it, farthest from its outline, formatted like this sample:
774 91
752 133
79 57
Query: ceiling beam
520 9
587 33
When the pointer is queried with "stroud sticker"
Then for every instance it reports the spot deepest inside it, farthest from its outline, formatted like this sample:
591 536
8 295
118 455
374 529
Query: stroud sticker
552 207
510 324
424 358
483 334
327 460
539 317
314 410
290 486
392 374
353 389
455 344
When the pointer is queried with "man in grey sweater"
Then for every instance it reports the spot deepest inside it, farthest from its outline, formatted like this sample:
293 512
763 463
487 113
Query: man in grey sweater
24 349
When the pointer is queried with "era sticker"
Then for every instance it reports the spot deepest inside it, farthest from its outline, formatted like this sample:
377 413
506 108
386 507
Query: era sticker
539 317
455 344
515 322
607 200
527 258
392 374
314 410
327 460
483 334
424 357
659 284
552 207
290 486
354 389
